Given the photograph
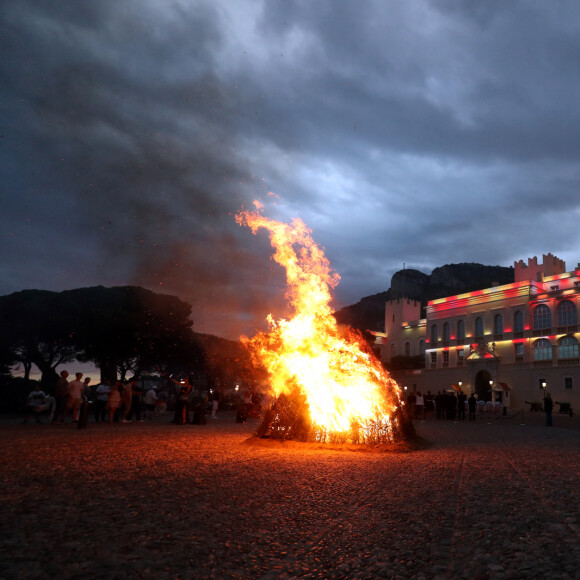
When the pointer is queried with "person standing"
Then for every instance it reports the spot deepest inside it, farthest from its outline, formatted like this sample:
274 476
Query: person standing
419 406
86 400
75 397
472 405
136 393
150 403
127 400
451 406
61 395
181 410
548 407
114 401
101 398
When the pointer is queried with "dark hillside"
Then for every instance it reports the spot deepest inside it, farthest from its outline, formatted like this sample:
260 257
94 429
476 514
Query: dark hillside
448 280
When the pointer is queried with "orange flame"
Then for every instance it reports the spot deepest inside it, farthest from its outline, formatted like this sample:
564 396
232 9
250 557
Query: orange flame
342 380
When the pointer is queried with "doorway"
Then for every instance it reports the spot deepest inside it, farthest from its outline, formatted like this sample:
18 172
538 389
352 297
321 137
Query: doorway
482 388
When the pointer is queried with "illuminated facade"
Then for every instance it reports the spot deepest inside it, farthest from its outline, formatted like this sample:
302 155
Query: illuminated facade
508 343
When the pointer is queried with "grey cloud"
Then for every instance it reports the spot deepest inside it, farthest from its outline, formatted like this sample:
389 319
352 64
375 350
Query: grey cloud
419 132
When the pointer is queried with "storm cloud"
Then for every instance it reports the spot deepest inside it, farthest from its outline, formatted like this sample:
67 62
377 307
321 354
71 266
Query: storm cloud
414 132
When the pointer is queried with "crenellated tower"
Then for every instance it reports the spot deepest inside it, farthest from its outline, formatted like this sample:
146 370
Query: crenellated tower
551 266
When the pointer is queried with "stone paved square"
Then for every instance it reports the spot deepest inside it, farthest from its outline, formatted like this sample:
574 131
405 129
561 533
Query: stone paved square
156 500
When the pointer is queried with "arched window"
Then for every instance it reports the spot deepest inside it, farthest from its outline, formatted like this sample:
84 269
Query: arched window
498 324
460 330
422 347
407 348
479 327
542 349
446 331
566 313
542 318
518 321
567 347
434 334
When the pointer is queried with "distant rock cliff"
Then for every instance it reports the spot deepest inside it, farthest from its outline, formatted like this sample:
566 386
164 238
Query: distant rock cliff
448 280
409 284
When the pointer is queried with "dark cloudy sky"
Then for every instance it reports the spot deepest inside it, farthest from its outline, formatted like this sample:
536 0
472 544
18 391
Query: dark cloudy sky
420 132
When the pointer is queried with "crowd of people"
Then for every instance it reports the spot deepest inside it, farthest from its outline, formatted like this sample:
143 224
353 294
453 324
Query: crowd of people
107 402
124 402
443 405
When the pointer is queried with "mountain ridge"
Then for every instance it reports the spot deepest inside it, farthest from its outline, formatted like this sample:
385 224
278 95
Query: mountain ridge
447 280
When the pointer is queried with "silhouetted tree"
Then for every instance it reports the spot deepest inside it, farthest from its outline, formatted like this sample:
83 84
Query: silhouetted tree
129 330
229 362
123 331
33 332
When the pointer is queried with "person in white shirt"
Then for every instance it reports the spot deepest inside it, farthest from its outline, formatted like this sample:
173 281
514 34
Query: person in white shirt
75 397
35 401
150 402
419 406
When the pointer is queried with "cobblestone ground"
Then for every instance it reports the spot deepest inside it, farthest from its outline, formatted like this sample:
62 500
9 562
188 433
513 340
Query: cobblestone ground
155 500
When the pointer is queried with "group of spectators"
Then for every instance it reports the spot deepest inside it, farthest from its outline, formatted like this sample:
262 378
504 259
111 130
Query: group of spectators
443 405
68 398
125 402
192 406
111 401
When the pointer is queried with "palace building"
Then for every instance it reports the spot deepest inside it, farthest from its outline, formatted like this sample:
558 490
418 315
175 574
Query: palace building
509 344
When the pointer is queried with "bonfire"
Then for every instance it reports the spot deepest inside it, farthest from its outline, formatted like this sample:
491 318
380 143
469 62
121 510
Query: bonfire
327 385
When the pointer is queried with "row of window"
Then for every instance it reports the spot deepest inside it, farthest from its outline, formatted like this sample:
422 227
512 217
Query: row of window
542 320
565 312
567 349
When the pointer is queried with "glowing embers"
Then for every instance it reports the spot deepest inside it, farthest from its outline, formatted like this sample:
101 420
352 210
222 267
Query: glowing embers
328 385
289 418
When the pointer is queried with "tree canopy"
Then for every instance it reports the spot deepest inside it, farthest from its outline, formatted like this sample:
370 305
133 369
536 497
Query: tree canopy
121 330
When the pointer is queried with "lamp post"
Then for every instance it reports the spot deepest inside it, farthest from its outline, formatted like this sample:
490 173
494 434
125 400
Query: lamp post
544 385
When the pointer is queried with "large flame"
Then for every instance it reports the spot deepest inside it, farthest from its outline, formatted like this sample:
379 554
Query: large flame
345 386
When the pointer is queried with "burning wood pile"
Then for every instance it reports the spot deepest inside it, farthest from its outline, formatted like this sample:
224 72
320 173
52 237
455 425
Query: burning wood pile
327 385
289 418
